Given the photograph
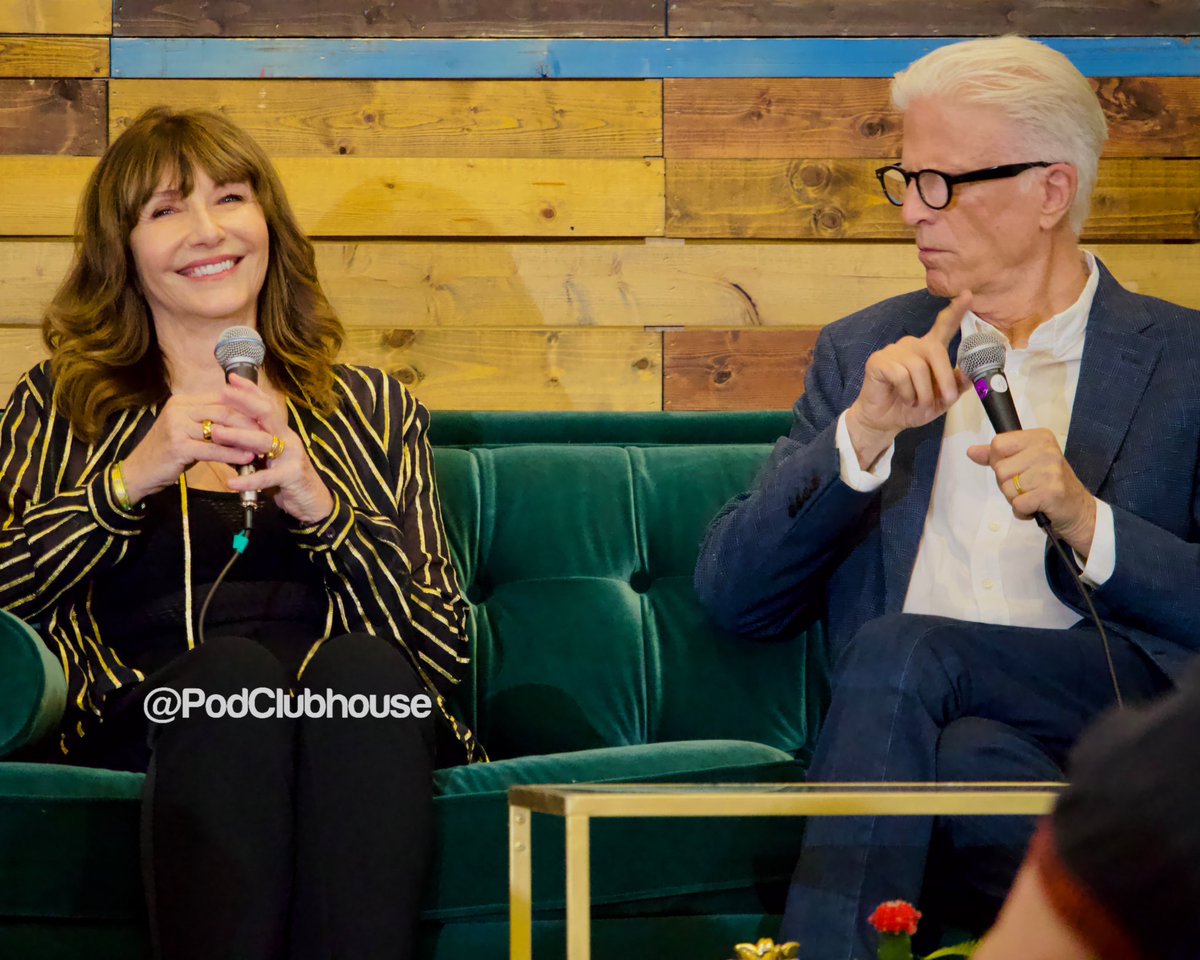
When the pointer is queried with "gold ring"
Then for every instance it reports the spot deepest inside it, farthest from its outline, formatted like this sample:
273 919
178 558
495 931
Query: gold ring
206 430
276 448
1017 483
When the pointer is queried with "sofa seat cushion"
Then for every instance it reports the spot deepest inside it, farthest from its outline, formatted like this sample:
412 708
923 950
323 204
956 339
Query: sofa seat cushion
64 828
608 765
69 842
634 860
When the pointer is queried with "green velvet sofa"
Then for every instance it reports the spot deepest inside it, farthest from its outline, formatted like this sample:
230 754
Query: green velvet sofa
575 537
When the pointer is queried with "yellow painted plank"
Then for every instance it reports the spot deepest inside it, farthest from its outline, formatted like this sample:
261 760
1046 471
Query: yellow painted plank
472 369
20 349
32 56
420 118
555 285
475 369
347 196
41 194
487 197
1146 199
56 16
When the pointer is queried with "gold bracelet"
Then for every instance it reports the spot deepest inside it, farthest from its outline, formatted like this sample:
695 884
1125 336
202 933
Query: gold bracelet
120 491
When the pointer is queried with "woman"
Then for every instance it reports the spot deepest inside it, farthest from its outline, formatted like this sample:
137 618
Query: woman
269 836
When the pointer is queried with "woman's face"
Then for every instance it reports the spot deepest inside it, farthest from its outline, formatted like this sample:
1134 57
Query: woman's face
203 256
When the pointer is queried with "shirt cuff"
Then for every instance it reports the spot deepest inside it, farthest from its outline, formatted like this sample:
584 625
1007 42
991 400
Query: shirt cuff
326 534
107 511
853 475
1102 558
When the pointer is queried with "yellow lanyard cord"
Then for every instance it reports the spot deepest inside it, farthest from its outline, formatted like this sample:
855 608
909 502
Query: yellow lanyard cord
187 561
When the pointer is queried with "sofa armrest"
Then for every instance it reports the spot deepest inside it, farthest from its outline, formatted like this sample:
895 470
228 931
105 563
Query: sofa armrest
33 689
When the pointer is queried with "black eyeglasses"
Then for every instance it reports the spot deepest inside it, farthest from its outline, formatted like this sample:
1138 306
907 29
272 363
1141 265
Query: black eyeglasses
935 188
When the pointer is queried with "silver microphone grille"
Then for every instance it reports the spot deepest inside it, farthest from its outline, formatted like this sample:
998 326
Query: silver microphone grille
980 355
240 345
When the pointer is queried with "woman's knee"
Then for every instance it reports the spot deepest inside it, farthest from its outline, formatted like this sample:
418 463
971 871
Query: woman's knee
361 663
226 665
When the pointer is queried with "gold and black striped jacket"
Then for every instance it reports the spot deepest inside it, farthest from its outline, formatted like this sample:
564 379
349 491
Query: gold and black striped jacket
382 551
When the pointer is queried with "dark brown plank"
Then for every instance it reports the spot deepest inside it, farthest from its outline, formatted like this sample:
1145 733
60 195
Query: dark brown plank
735 369
752 119
929 18
852 117
1148 199
53 116
388 18
1151 116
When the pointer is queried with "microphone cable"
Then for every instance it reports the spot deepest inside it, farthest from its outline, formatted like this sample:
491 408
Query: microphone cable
1044 522
240 541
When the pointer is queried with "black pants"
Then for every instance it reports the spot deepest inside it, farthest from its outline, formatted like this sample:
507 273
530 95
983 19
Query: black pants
304 838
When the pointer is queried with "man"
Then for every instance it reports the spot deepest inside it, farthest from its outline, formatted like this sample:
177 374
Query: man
961 647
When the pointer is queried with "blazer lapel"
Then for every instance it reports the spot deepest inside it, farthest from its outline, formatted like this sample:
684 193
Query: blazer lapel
1114 370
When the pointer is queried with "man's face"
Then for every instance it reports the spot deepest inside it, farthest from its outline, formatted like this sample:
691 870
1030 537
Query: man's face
991 229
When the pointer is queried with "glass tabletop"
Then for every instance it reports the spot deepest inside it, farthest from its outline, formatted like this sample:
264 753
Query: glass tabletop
785 799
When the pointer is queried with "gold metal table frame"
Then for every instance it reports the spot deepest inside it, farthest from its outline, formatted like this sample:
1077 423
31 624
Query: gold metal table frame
578 803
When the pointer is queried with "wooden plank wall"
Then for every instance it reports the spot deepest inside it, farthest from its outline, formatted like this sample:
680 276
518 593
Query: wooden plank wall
619 243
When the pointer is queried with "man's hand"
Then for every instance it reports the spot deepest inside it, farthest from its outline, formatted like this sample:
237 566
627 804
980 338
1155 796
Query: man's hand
907 384
1033 474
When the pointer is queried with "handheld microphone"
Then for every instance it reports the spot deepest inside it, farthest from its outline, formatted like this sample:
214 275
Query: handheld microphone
981 358
241 350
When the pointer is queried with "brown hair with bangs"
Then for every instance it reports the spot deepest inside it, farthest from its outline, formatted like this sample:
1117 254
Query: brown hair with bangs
104 354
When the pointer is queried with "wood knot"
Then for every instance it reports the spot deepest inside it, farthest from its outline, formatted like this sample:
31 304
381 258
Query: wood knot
811 176
548 213
408 376
722 377
66 89
874 126
368 118
399 339
829 220
643 363
1136 100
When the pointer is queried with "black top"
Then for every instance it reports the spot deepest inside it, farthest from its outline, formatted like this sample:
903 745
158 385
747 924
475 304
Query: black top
273 593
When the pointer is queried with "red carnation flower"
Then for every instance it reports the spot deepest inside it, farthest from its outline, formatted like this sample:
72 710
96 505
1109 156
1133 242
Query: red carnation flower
896 916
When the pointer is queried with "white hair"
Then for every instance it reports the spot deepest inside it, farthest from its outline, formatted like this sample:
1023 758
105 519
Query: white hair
1036 87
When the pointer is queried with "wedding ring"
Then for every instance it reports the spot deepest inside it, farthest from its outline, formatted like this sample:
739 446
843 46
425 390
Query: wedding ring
276 448
206 430
1017 483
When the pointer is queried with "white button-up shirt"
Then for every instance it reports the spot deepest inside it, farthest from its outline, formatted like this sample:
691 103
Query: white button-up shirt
976 561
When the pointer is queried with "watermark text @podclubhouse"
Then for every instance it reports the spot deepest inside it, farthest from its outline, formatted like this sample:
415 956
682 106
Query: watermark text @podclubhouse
164 704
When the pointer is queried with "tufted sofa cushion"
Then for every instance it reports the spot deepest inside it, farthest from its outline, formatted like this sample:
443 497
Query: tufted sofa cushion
577 559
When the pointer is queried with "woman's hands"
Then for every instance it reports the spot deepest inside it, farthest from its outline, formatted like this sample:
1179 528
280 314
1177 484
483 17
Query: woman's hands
245 422
298 488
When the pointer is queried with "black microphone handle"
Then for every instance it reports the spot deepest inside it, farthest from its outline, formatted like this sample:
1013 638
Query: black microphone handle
998 404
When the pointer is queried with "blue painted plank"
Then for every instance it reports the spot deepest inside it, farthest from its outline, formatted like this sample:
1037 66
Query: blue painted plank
604 59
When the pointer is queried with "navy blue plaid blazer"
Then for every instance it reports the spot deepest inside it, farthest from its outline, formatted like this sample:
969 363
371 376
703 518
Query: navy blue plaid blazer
801 544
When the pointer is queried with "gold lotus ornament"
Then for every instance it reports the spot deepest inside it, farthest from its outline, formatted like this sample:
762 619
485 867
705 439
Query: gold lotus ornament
766 949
